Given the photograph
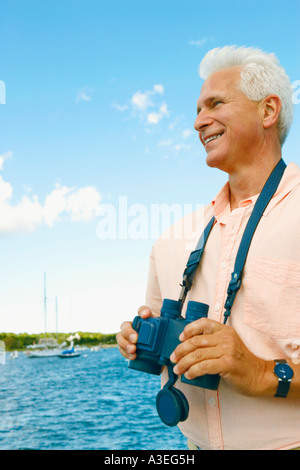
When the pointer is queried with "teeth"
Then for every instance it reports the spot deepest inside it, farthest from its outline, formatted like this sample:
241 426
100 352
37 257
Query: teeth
213 137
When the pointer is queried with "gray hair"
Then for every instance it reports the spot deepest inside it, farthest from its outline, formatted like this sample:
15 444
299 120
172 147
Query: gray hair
261 75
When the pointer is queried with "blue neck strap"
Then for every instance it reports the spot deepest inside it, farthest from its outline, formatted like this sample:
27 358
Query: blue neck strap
236 277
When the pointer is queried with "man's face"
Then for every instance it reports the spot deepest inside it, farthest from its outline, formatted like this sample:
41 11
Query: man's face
229 124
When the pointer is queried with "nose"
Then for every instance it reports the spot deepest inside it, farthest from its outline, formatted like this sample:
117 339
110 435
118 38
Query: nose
202 121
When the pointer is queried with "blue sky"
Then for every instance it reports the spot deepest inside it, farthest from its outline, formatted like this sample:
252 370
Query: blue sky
100 105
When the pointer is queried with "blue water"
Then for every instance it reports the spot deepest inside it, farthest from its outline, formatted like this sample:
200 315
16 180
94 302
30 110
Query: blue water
90 402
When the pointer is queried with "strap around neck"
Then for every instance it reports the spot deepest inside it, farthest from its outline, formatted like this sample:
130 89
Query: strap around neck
194 261
263 200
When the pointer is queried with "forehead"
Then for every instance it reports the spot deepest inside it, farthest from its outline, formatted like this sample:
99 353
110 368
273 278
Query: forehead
223 83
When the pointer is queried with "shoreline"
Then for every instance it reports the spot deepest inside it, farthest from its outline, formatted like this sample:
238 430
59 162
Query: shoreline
20 342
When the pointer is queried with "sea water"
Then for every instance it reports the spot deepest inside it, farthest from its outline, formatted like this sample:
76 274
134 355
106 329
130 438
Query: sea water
91 402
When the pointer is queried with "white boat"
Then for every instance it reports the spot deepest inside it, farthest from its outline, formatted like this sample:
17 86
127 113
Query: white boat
14 355
49 347
46 347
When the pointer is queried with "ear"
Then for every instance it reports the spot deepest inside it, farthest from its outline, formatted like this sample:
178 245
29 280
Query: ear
270 109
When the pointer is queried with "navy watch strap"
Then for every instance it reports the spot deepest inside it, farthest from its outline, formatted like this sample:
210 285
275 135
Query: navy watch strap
282 389
283 384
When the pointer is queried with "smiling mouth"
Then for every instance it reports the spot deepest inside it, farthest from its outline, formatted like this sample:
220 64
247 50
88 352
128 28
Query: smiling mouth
212 137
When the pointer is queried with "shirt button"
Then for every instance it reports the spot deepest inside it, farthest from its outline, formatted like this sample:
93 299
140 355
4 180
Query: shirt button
212 401
223 264
217 307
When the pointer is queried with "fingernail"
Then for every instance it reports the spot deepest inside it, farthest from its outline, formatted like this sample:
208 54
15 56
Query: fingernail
173 357
130 348
175 370
133 338
143 313
181 337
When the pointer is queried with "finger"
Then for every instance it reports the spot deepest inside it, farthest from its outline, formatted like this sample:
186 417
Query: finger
127 337
196 363
127 355
126 340
210 366
126 348
203 326
144 311
189 345
128 332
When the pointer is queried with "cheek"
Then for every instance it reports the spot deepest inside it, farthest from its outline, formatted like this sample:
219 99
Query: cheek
245 131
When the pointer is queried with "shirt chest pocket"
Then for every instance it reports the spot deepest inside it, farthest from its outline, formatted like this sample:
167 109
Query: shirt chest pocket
272 297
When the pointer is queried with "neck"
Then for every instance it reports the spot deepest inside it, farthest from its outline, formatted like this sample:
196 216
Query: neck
250 180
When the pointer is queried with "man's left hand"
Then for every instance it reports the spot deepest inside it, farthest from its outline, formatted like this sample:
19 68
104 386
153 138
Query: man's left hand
209 347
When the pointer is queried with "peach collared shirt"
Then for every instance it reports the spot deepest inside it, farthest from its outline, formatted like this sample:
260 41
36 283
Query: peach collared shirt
265 313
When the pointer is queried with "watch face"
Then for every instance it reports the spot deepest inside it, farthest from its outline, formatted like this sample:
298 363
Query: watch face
284 371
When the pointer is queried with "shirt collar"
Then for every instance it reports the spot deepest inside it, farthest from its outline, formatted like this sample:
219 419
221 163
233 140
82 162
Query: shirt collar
290 179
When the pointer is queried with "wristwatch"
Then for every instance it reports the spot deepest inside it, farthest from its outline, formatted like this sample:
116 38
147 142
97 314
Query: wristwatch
284 373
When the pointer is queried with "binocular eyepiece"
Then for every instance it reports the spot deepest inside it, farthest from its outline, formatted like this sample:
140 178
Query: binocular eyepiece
157 339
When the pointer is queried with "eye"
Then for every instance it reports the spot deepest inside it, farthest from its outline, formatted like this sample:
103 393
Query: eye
217 103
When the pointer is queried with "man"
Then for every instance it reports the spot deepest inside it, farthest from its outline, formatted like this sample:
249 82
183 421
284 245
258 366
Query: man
243 116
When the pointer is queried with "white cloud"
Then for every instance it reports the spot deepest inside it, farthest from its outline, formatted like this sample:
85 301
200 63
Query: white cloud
120 107
75 204
151 108
5 156
178 143
186 133
181 146
141 100
158 89
83 205
55 204
155 117
5 190
83 94
200 42
147 105
165 143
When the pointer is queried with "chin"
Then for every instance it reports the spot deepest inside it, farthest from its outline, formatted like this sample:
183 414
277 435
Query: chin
221 158
215 161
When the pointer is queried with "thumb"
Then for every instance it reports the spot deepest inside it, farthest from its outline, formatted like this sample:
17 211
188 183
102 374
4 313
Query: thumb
145 312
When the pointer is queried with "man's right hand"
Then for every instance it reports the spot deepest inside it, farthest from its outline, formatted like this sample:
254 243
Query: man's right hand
127 337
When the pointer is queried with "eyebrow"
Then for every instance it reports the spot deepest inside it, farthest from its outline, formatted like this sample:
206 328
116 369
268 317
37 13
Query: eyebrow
209 100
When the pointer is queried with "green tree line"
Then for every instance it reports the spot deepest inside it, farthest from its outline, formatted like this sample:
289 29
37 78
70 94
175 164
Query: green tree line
21 341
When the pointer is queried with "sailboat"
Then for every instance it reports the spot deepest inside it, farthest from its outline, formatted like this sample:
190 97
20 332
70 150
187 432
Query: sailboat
70 352
46 347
